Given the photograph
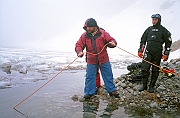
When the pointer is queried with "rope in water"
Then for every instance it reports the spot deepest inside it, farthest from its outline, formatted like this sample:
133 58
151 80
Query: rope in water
73 62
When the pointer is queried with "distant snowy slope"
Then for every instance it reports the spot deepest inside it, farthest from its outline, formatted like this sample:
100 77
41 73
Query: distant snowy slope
128 26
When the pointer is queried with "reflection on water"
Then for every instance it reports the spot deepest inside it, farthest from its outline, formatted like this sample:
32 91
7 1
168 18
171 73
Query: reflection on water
92 108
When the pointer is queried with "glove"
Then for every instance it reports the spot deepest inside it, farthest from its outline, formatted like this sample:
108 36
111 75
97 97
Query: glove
140 52
165 55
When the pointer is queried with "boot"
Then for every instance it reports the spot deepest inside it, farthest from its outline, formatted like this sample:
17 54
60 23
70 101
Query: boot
144 87
152 84
115 94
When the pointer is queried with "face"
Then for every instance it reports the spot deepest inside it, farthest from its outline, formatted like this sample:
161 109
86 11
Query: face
91 29
154 21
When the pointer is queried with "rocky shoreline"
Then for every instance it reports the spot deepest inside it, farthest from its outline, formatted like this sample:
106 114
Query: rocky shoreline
165 100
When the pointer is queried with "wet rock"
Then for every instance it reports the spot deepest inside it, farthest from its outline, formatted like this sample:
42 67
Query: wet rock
133 104
161 88
123 85
6 68
74 97
23 70
106 113
81 99
177 85
130 90
153 105
123 76
163 105
137 87
4 85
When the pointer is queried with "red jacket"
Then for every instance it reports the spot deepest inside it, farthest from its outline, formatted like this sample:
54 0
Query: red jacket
94 44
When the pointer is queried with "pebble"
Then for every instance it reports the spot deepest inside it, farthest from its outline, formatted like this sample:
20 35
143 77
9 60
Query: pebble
153 105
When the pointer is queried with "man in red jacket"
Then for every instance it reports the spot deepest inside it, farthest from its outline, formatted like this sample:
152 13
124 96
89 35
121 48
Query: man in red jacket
98 80
94 39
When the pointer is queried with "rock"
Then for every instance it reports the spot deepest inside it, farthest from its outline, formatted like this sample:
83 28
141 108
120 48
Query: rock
130 84
7 69
123 85
130 91
137 87
81 99
118 84
133 104
153 105
178 63
123 76
161 88
163 105
23 70
136 93
4 85
158 96
106 113
74 97
177 85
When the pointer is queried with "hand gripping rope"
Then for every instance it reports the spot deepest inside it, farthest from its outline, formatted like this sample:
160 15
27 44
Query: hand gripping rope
73 62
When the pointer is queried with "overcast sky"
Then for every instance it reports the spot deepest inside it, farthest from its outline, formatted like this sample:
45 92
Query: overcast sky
23 21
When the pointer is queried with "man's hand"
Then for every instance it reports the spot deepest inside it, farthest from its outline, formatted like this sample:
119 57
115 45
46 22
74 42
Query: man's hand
80 54
165 57
140 52
113 43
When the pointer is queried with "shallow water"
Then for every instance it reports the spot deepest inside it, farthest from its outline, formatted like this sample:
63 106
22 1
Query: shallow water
53 100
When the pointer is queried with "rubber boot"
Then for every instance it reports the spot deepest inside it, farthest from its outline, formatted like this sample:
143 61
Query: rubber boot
145 80
152 84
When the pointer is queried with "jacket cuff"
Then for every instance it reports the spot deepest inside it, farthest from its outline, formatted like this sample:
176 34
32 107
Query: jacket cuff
79 51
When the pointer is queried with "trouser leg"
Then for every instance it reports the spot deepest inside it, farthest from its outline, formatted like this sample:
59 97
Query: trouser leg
152 84
144 80
145 67
155 70
90 81
107 76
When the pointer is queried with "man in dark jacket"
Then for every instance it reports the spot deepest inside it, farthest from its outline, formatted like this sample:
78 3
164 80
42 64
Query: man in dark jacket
153 38
94 39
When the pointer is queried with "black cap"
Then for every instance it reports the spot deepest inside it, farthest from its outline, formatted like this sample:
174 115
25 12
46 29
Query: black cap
91 23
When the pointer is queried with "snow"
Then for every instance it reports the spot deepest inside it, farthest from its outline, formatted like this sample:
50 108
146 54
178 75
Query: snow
126 27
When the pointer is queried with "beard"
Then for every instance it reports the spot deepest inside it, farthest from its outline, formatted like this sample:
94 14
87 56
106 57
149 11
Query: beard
91 31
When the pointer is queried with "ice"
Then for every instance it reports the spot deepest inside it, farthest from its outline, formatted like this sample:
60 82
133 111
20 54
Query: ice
4 85
18 66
